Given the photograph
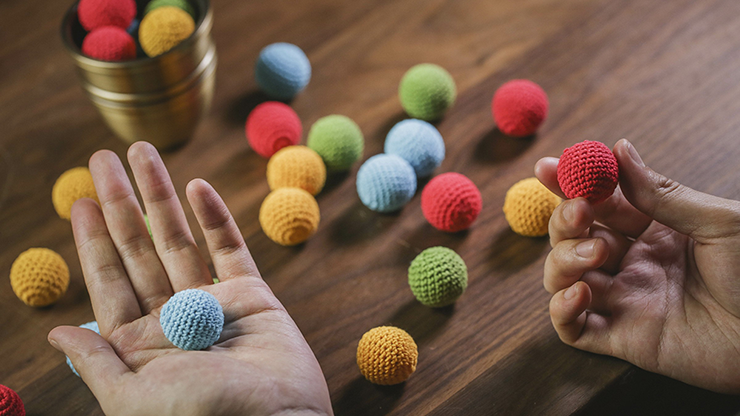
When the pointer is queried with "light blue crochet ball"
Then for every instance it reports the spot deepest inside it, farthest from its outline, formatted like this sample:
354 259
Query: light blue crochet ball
419 143
93 326
385 183
283 70
192 319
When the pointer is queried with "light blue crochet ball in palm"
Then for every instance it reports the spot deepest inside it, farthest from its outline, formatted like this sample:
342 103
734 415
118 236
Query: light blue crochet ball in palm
93 326
385 183
419 143
282 70
192 319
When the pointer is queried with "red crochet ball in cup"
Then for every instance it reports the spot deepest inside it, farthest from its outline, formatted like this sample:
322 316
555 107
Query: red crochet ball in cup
271 126
589 170
519 107
93 14
109 43
451 202
10 403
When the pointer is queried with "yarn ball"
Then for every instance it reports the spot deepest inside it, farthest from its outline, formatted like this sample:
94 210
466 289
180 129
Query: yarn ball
109 43
164 28
93 326
451 202
93 14
282 70
192 319
39 277
72 185
133 28
528 207
519 107
271 126
385 183
427 91
296 167
181 4
438 276
387 355
338 140
419 143
10 403
289 216
589 170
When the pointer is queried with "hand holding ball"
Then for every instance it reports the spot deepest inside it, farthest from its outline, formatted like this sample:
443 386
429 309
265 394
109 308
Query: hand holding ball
192 319
589 170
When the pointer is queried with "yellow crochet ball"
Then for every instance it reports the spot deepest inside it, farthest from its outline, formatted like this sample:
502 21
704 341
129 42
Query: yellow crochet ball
387 355
528 207
39 277
289 216
72 185
164 28
296 167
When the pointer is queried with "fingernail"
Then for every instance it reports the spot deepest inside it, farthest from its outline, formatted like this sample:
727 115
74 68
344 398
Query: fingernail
634 155
586 249
571 292
569 212
55 345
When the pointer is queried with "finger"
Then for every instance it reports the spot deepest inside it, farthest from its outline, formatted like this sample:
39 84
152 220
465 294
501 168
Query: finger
617 244
570 259
575 325
600 283
571 219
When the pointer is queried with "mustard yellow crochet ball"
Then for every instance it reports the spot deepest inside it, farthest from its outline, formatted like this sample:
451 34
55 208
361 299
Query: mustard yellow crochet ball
72 185
296 167
528 207
164 28
387 355
289 216
39 277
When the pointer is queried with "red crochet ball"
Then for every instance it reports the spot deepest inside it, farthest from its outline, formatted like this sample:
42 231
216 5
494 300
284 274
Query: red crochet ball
93 14
589 170
10 403
271 126
451 202
519 107
109 43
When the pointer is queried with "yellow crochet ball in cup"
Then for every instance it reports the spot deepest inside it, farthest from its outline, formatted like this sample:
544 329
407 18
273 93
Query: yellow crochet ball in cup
39 277
528 207
289 216
164 28
387 355
72 185
296 167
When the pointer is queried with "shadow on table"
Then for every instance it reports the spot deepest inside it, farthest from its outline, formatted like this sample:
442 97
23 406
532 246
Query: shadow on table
496 147
512 252
359 223
364 398
239 109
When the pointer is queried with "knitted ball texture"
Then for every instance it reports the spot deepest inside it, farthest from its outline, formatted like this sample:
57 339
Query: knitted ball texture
385 183
192 319
164 28
519 107
93 326
528 207
387 355
589 170
438 276
451 202
182 4
109 43
39 277
10 403
282 70
427 91
72 185
419 143
289 216
296 167
338 140
271 126
93 14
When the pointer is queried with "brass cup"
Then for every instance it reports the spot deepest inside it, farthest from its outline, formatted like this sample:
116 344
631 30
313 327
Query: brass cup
160 99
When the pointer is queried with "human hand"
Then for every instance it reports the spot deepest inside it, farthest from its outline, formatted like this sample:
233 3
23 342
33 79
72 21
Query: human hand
261 365
651 275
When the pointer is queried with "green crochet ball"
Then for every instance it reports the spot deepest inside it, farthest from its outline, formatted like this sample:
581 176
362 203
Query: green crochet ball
438 276
427 91
338 140
182 4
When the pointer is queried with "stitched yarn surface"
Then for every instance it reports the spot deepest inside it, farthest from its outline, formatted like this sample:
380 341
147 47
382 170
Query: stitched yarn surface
272 126
296 167
289 216
39 277
519 107
451 202
528 207
589 170
164 28
93 326
282 71
385 183
438 276
72 185
93 14
426 91
181 4
10 403
419 143
192 319
387 355
109 43
338 140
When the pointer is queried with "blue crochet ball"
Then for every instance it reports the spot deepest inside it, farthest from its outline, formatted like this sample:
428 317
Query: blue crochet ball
283 70
93 326
385 183
192 319
419 143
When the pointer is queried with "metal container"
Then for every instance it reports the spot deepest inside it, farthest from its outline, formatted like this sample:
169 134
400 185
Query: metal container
160 99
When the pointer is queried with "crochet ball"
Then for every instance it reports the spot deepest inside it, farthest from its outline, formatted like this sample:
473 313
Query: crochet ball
164 28
419 143
282 70
181 4
93 326
427 91
451 202
272 126
109 43
192 319
519 107
39 277
93 14
528 207
296 167
438 276
338 140
387 355
385 183
72 185
10 403
589 170
289 216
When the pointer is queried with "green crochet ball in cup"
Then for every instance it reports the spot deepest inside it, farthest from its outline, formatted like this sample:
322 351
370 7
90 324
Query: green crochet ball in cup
427 91
338 140
182 4
438 276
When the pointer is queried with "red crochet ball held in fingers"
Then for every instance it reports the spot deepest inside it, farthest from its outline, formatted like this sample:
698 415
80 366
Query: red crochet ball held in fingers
451 202
93 14
271 126
10 403
109 43
519 107
589 170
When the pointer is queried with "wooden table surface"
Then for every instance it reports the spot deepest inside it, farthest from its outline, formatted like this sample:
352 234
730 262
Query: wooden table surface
665 74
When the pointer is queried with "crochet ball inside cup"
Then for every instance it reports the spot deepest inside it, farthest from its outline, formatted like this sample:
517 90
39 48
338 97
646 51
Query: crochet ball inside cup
109 43
387 355
93 14
164 28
